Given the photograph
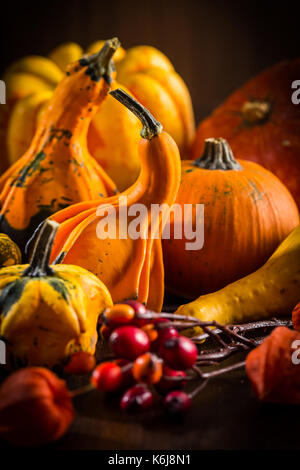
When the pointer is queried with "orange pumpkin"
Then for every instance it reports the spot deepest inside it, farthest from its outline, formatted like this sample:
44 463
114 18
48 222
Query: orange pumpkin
57 170
261 123
247 213
131 268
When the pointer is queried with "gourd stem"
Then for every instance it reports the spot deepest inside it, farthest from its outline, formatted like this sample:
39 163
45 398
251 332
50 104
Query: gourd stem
100 64
151 127
39 263
217 156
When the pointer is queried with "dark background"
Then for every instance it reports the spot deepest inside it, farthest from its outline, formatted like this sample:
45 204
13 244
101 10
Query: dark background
215 45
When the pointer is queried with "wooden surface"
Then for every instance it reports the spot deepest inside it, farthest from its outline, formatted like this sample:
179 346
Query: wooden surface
226 415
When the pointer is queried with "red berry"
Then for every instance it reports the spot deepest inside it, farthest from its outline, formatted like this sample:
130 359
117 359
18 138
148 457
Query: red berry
163 335
179 353
107 377
129 342
177 401
147 368
164 386
80 363
137 398
127 378
139 308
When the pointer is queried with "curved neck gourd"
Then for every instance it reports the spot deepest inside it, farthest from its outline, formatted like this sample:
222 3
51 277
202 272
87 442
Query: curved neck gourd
160 171
75 101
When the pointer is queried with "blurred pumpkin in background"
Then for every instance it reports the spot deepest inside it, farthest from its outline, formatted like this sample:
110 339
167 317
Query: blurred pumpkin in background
261 123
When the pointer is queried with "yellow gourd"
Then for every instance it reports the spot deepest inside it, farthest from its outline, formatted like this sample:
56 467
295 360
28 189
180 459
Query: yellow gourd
270 291
142 71
48 312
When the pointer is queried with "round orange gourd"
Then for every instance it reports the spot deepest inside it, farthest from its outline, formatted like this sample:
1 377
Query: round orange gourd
247 213
57 170
261 123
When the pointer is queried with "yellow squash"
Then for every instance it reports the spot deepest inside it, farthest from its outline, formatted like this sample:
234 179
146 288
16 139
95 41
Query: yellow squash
270 291
10 253
48 312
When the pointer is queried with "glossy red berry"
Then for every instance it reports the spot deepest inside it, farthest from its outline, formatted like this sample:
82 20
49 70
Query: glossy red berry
165 386
140 310
107 377
163 335
137 306
127 377
119 314
147 368
177 402
80 363
179 353
129 342
137 398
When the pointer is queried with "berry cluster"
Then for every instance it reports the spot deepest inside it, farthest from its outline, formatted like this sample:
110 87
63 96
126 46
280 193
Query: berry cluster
152 352
149 354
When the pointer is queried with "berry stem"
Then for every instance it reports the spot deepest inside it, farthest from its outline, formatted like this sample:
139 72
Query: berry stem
198 389
224 370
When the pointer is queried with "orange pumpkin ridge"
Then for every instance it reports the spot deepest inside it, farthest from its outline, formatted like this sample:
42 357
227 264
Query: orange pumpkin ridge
58 170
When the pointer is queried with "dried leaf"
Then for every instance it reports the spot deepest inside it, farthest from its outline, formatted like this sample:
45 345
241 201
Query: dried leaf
274 367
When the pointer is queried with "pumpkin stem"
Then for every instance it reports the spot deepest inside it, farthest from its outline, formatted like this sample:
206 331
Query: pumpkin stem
151 127
39 263
217 156
100 64
256 112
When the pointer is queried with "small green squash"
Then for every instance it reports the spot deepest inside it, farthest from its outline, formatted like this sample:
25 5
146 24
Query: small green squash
49 312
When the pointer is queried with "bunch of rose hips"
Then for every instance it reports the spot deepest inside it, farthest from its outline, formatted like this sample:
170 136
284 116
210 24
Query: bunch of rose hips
147 355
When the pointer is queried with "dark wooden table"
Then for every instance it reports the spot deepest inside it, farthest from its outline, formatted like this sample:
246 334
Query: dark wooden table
226 415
